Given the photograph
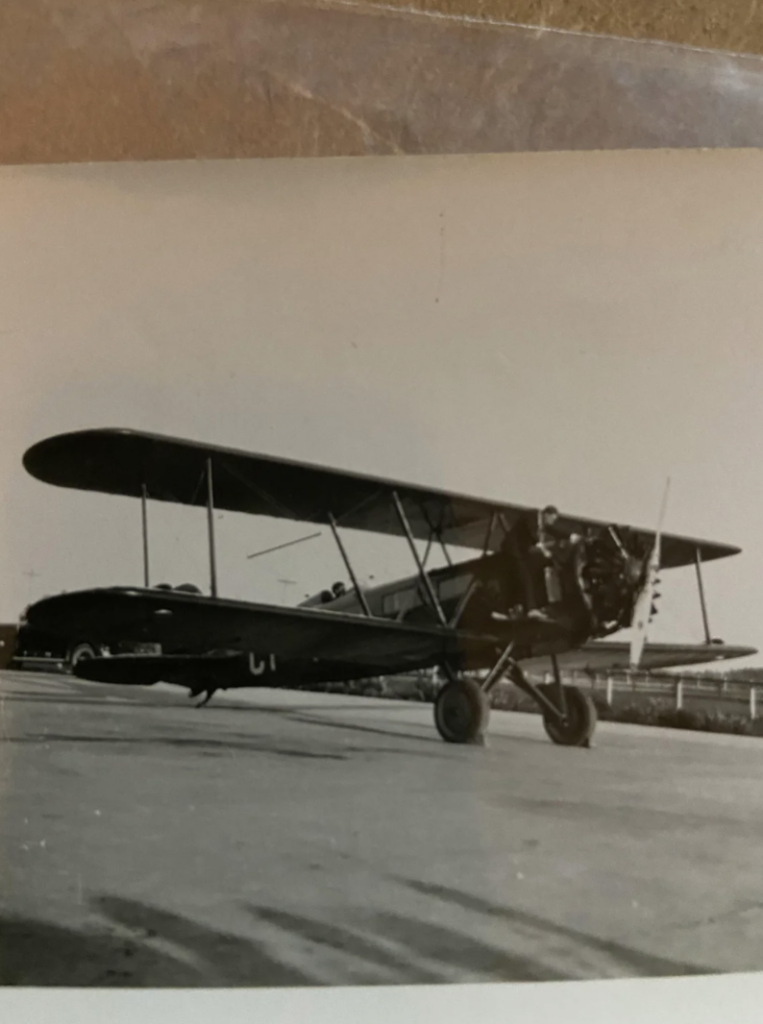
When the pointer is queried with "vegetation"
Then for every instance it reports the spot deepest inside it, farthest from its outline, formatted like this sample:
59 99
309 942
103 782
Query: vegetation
627 708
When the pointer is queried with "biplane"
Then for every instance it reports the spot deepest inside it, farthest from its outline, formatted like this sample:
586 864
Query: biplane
476 621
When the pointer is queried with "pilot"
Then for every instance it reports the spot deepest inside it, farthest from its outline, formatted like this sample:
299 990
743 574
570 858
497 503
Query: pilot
515 556
545 557
538 548
549 533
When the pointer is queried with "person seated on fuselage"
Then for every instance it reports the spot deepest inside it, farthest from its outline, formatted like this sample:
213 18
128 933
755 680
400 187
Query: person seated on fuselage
545 556
529 551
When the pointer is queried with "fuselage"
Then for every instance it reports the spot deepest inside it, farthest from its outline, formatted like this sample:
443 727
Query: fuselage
406 599
482 598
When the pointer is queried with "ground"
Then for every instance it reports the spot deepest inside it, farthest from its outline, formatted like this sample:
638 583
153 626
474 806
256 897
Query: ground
277 838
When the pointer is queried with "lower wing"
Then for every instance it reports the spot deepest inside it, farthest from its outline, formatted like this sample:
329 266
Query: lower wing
601 656
215 671
188 623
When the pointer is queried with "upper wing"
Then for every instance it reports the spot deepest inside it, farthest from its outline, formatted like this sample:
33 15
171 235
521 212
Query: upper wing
125 461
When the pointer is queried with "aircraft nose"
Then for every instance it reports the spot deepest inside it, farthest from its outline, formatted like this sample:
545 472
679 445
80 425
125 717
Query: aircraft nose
634 569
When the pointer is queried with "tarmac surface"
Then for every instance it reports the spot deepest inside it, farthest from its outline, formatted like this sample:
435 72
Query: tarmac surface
286 839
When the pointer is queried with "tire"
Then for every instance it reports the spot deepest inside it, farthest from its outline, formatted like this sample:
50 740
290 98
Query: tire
578 728
79 653
462 712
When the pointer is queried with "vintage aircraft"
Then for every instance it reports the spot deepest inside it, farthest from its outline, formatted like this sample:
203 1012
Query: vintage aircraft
475 620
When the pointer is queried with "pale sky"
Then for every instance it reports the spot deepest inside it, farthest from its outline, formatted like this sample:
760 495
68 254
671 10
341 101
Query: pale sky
567 328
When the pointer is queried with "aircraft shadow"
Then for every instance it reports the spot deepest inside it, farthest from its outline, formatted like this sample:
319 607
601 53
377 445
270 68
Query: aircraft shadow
116 701
307 719
152 948
203 745
410 950
206 746
633 960
139 945
317 716
426 737
419 951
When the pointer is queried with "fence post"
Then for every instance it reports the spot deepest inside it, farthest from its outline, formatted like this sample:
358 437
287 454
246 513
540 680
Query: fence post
610 689
753 703
679 694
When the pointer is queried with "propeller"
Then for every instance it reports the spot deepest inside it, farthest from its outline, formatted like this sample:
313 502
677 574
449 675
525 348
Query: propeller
644 607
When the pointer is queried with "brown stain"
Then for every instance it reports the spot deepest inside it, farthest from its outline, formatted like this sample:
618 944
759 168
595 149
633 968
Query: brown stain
735 25
81 80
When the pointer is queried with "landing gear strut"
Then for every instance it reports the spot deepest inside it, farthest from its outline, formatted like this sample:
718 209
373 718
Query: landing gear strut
576 728
462 707
569 714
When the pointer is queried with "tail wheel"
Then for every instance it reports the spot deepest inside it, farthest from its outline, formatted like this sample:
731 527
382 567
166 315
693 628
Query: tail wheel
462 712
577 728
80 653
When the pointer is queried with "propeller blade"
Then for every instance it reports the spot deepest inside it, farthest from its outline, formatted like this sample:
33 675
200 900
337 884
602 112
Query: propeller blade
644 607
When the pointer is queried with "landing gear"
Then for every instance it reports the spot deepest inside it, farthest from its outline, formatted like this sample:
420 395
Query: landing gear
569 715
462 712
462 707
576 728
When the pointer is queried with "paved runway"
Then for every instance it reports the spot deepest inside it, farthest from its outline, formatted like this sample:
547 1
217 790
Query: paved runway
279 838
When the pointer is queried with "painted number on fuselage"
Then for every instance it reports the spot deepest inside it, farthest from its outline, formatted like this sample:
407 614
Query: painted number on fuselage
257 668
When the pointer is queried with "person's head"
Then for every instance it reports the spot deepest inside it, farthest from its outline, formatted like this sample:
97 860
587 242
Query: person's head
549 515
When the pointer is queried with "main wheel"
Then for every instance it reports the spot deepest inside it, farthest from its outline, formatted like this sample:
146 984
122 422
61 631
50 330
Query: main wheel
577 728
462 712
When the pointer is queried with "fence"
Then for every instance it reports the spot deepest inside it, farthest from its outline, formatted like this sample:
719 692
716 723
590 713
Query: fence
678 690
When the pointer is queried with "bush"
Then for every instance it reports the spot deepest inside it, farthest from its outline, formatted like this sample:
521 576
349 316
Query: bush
653 713
648 711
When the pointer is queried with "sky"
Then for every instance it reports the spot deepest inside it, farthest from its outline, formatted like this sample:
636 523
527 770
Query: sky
571 328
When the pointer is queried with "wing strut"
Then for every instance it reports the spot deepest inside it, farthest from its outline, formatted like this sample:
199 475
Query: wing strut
144 519
702 604
426 582
348 565
434 532
211 529
489 534
428 549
